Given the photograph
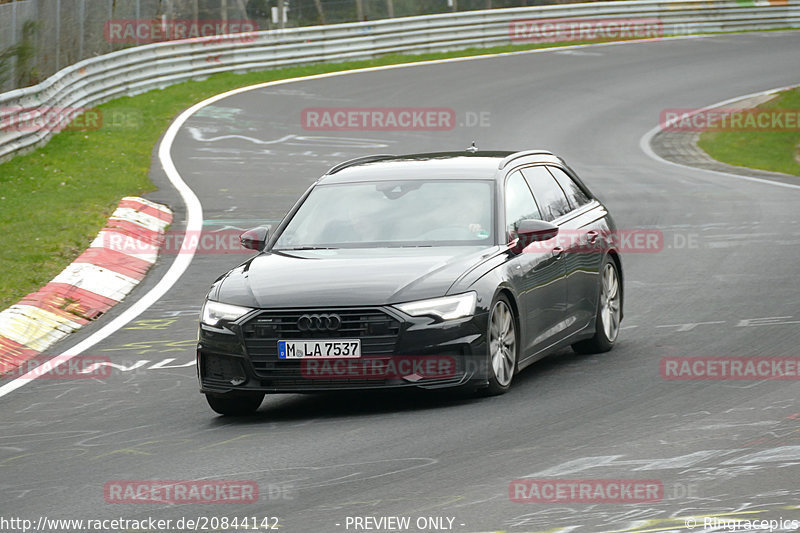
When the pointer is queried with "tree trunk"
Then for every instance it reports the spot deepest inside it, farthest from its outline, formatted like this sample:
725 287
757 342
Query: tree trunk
242 9
320 11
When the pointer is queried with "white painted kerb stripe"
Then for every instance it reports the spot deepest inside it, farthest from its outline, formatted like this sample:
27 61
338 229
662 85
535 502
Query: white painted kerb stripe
98 280
194 209
34 327
119 242
139 218
148 203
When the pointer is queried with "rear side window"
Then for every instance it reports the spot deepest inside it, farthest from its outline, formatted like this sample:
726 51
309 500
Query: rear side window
551 199
519 202
574 193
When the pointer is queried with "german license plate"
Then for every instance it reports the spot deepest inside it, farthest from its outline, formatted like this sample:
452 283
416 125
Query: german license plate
320 349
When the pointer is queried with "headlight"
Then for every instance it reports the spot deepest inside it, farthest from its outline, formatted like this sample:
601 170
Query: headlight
213 312
447 308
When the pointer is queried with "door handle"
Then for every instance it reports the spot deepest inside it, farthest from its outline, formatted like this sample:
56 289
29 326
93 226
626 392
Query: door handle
592 236
558 252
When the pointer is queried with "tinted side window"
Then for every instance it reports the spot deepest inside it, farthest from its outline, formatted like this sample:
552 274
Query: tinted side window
519 202
574 193
551 199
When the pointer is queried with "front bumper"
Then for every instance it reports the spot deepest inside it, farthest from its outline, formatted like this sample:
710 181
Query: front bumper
397 351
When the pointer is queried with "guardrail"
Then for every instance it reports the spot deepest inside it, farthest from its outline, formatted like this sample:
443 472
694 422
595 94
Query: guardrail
30 116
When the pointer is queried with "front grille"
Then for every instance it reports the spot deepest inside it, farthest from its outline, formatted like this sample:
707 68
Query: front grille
377 330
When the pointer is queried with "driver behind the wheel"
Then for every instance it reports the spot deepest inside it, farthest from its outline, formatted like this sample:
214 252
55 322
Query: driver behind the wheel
473 213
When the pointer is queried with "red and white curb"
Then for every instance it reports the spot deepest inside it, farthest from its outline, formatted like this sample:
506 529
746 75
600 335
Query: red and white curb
97 280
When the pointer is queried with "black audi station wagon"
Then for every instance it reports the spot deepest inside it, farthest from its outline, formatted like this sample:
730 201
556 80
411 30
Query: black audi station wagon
425 270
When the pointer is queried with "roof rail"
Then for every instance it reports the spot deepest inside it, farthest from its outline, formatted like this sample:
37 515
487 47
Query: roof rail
516 155
359 160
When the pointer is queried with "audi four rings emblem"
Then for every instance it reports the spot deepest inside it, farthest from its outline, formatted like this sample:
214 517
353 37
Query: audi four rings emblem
330 322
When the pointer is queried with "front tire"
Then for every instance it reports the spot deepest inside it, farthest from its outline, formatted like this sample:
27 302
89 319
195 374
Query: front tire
240 404
503 344
609 312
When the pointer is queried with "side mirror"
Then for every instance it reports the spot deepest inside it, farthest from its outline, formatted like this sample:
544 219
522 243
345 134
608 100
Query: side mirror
530 230
255 239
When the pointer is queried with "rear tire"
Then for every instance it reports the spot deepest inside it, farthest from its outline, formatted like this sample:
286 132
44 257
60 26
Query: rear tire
609 312
502 340
235 404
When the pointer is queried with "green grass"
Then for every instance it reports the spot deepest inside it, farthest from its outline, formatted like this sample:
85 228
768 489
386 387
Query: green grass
766 150
55 200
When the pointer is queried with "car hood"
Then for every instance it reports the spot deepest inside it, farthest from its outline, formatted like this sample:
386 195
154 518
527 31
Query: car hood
346 277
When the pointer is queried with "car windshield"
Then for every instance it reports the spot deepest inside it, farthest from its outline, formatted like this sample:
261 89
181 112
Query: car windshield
392 213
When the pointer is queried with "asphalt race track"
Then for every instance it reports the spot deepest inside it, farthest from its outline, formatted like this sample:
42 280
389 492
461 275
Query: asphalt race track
726 283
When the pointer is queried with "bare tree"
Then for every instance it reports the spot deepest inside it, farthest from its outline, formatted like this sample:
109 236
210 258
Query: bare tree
320 11
242 9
